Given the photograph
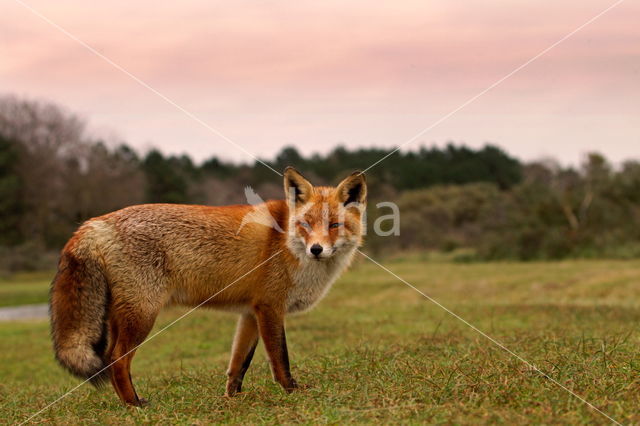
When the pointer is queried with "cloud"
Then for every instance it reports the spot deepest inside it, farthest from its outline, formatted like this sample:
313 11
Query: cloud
318 73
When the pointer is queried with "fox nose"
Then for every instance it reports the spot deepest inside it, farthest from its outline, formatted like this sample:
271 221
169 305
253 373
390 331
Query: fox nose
316 249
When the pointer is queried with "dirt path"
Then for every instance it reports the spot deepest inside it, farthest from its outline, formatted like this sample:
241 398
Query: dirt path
13 313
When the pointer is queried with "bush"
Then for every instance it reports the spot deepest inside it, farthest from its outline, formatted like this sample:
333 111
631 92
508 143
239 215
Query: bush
27 257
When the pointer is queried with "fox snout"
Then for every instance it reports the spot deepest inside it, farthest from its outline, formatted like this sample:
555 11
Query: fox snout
318 251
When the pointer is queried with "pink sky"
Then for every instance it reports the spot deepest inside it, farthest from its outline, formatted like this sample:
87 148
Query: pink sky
315 74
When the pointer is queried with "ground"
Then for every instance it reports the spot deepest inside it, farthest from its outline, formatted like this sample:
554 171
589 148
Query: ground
375 350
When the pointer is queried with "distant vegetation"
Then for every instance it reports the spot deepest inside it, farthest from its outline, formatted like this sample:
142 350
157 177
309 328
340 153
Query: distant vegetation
476 204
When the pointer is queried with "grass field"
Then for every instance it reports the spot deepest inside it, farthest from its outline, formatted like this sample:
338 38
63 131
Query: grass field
376 350
25 289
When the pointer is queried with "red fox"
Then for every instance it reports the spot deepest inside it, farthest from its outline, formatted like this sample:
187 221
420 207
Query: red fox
120 269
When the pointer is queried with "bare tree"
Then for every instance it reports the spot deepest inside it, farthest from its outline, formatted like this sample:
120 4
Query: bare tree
66 176
48 138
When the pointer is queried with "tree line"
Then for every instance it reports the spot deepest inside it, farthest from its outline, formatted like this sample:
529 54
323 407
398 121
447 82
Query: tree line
474 203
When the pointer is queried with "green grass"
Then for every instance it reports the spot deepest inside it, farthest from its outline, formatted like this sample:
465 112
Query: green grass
376 351
25 288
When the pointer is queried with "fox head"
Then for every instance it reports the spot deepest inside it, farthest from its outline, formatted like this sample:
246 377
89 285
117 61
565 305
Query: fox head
323 221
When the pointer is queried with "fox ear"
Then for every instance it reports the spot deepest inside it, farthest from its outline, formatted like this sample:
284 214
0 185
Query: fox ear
353 189
296 187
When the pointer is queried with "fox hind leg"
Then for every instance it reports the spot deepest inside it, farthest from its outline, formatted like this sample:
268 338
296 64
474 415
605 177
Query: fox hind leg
128 331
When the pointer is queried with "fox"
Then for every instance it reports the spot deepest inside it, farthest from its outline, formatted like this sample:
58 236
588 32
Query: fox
119 270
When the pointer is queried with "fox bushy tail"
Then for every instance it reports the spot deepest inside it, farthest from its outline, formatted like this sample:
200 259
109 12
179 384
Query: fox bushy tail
78 305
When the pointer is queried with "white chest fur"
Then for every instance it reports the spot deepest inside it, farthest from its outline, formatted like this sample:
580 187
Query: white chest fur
313 279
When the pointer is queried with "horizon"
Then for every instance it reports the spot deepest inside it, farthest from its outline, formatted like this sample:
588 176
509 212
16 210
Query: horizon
142 151
375 77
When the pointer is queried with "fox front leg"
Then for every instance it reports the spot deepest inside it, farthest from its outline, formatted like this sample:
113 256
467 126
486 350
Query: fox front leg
244 346
271 328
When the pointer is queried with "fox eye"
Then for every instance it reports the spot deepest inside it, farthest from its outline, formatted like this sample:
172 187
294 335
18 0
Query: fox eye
334 225
304 224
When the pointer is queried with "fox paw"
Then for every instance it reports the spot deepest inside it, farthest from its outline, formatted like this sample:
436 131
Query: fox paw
294 386
233 387
139 403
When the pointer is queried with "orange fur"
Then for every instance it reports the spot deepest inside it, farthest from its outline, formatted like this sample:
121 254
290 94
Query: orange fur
120 269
